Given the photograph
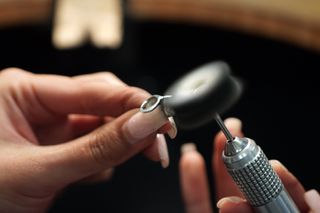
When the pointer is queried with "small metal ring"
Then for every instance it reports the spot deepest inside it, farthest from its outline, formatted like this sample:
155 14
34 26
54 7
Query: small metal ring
152 103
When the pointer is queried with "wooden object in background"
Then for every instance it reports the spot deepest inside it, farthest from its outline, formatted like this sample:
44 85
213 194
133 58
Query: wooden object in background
294 21
18 12
76 21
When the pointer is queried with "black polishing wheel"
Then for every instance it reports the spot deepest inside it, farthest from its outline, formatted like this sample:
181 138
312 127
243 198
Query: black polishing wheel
200 94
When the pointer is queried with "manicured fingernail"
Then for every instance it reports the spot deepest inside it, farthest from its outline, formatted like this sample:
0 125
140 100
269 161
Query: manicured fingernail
141 125
226 200
163 150
312 198
188 147
173 130
233 124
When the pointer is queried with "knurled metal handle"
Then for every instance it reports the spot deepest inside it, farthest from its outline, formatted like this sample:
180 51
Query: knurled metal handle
257 180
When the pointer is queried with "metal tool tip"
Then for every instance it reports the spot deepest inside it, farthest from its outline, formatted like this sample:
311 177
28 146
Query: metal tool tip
223 128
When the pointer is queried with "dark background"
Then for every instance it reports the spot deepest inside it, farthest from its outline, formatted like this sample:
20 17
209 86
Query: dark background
279 107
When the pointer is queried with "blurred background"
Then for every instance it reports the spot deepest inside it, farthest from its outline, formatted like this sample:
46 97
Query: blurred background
271 46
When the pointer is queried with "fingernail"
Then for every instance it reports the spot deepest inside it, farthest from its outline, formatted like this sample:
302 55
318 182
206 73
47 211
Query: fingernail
173 130
188 147
141 125
279 164
312 198
163 150
226 200
233 124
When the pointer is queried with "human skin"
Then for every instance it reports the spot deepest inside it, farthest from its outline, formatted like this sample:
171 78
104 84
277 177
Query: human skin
195 188
58 130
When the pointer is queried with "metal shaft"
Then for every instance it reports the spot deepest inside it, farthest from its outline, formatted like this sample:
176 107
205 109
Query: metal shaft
223 127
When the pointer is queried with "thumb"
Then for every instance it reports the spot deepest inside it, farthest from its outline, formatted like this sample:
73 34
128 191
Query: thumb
106 147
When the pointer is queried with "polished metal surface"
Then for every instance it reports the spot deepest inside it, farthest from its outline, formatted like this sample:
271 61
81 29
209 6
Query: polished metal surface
253 174
152 103
281 204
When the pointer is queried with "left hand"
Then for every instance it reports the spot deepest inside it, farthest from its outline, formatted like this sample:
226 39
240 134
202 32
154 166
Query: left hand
57 130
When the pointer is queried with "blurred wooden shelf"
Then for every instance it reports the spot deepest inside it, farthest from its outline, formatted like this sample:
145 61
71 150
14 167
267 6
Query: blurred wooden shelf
294 21
19 12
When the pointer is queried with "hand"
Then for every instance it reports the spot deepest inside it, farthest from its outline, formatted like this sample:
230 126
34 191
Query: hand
195 187
57 130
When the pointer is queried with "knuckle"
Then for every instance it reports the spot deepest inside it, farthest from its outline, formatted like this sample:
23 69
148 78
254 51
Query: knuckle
111 78
12 72
107 76
14 78
104 147
133 97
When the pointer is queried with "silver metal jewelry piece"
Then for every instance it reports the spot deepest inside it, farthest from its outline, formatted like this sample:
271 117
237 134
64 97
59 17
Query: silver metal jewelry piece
152 103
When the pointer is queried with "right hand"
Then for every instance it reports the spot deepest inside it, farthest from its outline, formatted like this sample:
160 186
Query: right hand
195 188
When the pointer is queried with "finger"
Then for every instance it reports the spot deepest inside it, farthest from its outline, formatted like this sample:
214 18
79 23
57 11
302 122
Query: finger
67 128
224 184
83 124
170 128
106 147
194 184
98 177
233 204
103 77
158 151
292 184
107 119
57 95
312 198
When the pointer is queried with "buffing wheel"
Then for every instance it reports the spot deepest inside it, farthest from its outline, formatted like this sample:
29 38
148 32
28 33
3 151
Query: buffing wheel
201 93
